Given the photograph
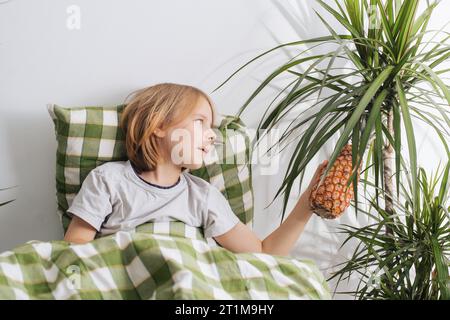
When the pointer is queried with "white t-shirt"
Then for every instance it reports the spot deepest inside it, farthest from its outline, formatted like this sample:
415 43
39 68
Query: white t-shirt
113 198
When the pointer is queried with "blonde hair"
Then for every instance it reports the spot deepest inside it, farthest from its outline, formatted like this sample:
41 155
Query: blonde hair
157 106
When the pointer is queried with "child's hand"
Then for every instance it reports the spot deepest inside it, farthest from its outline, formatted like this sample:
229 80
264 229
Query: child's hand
316 177
304 198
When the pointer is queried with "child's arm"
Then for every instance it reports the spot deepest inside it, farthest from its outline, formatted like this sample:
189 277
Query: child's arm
279 242
79 231
89 208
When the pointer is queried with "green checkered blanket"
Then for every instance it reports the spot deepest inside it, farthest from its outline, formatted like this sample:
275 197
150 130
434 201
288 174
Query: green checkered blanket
157 260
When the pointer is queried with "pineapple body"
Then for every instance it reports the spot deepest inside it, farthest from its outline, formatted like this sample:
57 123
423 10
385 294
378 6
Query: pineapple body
332 197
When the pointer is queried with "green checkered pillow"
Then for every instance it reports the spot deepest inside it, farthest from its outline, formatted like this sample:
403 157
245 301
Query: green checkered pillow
90 136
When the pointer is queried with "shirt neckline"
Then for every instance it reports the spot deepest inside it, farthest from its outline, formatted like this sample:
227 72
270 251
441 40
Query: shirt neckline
153 187
152 184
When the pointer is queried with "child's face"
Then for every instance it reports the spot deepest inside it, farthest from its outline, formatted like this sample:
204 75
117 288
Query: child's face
189 141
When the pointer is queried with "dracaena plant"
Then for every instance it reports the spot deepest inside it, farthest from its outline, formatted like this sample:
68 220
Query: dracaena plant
394 73
412 261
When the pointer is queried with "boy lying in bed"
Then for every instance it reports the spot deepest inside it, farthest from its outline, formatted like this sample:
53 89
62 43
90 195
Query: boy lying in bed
152 184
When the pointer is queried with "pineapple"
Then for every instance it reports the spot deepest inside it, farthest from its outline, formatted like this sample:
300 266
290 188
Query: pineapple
331 198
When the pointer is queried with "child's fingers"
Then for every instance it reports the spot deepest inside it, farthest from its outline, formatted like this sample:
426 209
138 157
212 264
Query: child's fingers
319 169
316 176
322 165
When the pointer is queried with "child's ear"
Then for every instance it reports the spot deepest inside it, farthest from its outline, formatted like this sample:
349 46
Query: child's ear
160 133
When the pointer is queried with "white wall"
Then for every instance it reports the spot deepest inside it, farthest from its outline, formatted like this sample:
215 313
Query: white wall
123 46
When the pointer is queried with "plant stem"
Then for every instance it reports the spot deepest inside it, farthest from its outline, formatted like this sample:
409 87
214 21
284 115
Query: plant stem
388 151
